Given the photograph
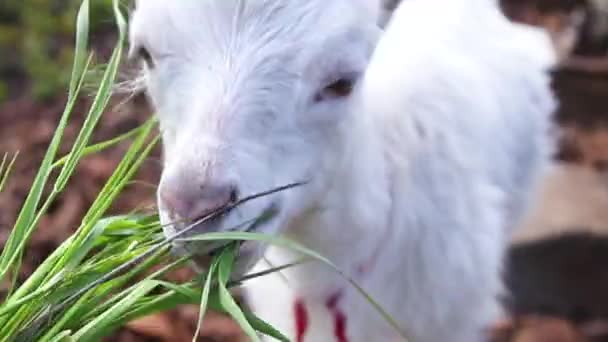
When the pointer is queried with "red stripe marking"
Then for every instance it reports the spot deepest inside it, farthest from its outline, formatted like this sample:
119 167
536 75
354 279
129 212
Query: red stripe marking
301 319
340 326
339 317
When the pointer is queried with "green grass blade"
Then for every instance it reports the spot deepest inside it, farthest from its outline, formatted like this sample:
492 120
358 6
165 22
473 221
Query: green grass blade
245 236
5 170
80 55
225 264
262 326
3 162
100 102
204 299
15 275
96 148
232 308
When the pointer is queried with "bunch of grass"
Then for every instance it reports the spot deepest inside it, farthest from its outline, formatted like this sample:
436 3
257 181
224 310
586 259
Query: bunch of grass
113 270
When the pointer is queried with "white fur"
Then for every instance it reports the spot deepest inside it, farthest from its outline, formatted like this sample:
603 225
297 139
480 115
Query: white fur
417 176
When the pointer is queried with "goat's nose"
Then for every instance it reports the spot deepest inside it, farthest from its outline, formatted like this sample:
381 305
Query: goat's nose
190 203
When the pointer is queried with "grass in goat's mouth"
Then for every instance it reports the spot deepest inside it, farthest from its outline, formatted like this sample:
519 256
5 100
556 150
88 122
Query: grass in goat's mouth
213 219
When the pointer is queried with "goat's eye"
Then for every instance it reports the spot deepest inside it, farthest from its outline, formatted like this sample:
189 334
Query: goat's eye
145 56
342 87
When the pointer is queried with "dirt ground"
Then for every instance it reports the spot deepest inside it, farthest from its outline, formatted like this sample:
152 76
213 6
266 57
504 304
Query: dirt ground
574 199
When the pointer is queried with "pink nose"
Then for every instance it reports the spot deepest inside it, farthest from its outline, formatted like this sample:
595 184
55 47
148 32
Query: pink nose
194 202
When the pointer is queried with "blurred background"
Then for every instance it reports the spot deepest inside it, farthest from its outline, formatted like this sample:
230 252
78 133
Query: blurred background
558 265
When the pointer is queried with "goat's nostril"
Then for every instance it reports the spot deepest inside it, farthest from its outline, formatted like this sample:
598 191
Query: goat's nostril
234 195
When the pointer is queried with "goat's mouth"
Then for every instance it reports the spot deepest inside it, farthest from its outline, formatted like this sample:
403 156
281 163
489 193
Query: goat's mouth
221 222
268 220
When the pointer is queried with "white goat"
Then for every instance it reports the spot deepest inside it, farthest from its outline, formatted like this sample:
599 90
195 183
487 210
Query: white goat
419 154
